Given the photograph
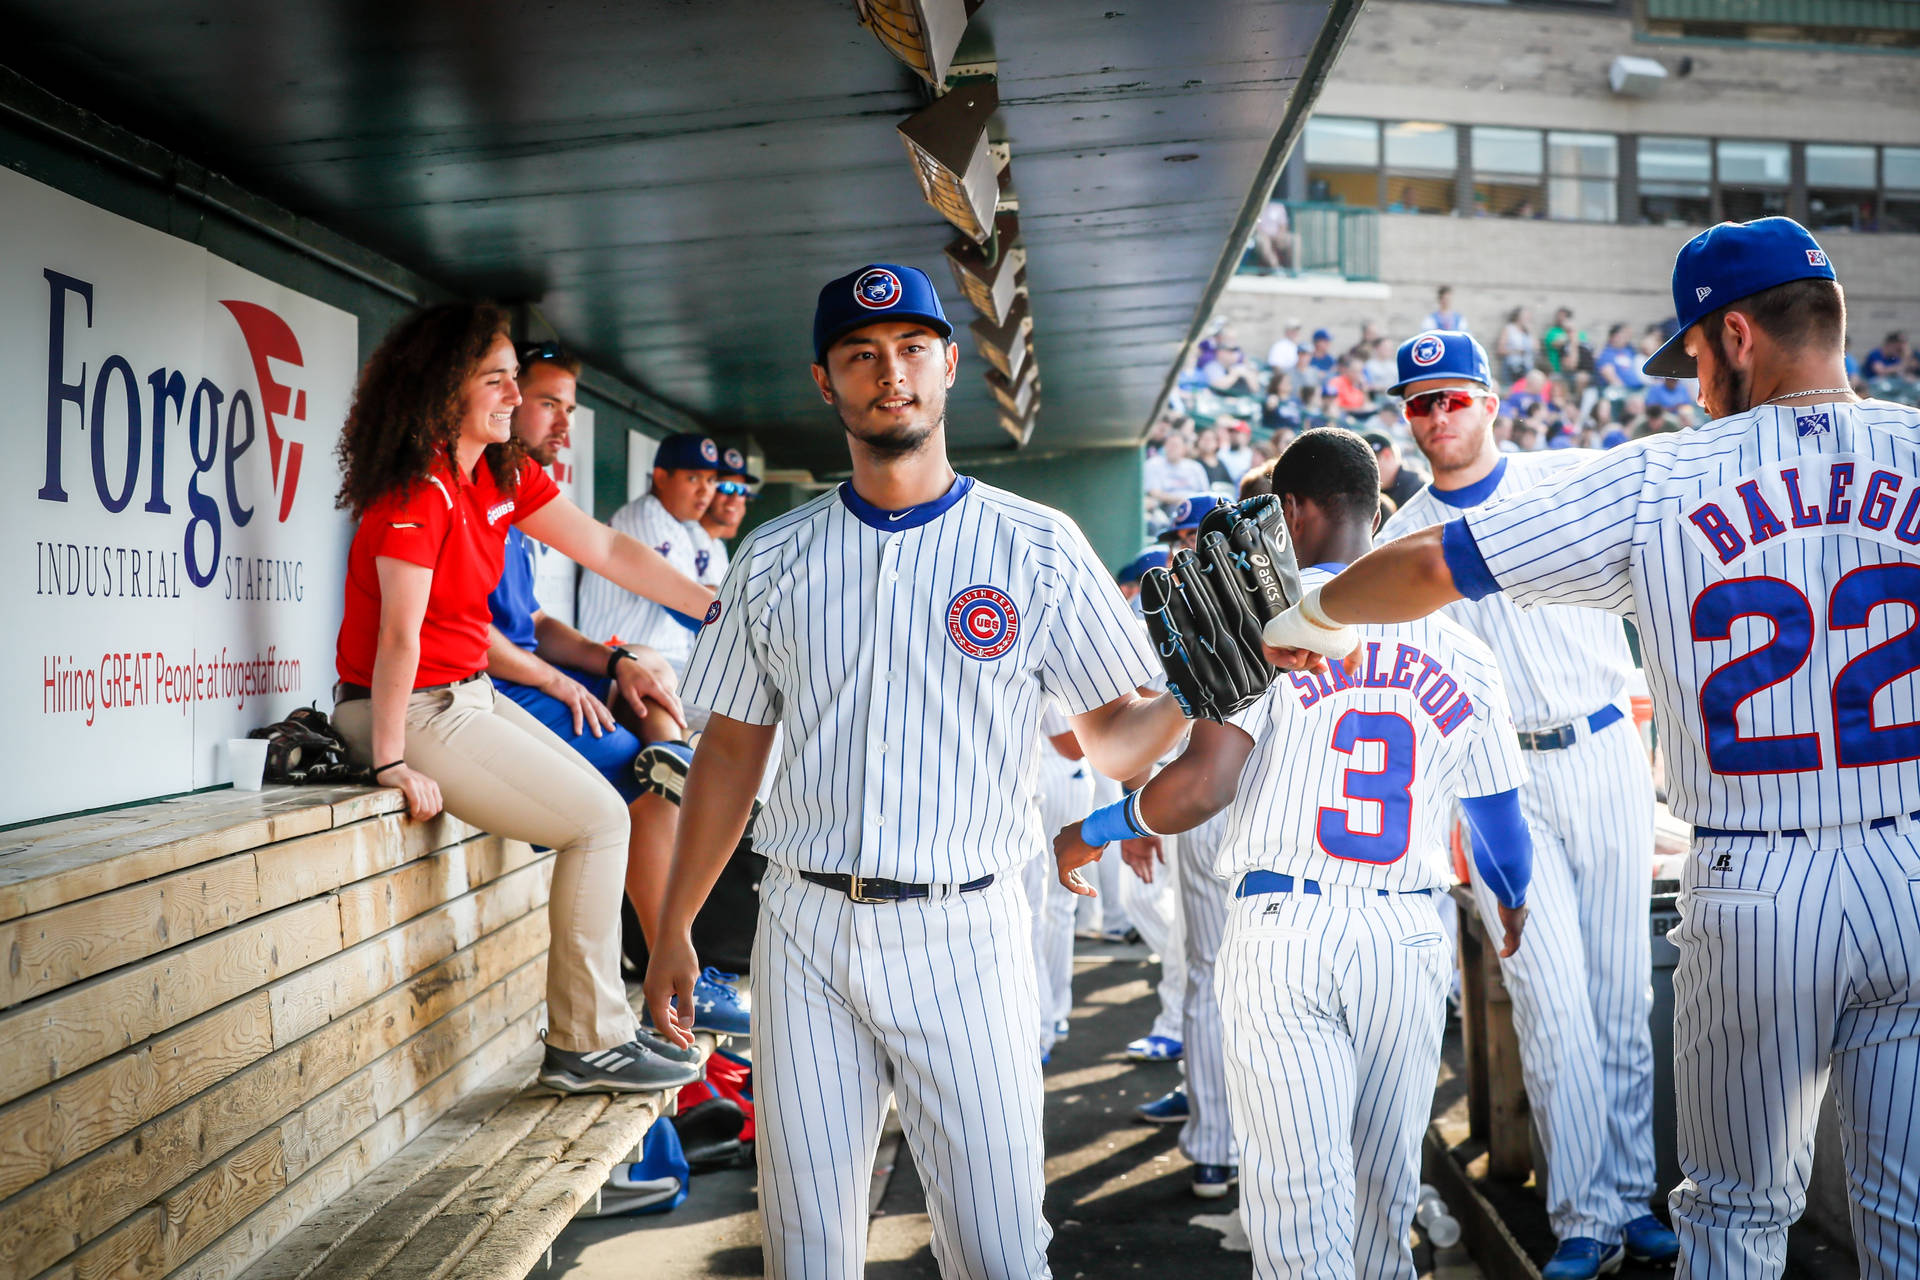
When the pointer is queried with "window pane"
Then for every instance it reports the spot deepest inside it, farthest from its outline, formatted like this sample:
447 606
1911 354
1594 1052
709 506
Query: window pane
1408 194
1753 164
1508 200
1415 144
1581 199
1675 160
1831 166
1902 215
1333 140
1344 186
1839 209
1583 155
1671 204
1506 150
1903 167
1746 205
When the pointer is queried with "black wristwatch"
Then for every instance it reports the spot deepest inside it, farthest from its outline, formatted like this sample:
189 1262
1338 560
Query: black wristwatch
613 659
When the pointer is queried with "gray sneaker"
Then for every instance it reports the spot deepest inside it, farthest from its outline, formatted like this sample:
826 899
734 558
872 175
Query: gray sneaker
633 1067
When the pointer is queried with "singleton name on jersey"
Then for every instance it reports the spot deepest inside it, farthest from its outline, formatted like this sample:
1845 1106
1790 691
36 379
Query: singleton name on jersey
1437 693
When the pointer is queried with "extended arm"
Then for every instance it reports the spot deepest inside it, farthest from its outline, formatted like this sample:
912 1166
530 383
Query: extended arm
1127 735
616 557
1408 578
641 677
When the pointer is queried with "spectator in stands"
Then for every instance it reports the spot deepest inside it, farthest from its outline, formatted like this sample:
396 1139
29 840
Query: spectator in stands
1398 479
1280 408
1685 417
1348 387
686 471
1273 238
434 479
1443 316
1893 358
1525 438
1322 360
1668 393
1565 346
1382 369
1285 350
1618 364
1314 410
1530 391
1172 476
1515 346
1207 453
1236 447
1230 373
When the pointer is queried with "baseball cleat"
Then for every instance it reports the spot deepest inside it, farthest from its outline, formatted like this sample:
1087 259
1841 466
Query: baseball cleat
1648 1240
1060 1029
1211 1181
1169 1108
1582 1258
1155 1049
719 1005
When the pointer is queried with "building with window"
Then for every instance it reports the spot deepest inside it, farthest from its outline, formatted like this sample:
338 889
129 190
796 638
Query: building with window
1558 154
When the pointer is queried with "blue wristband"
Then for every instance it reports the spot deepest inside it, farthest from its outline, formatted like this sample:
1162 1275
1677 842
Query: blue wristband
1104 826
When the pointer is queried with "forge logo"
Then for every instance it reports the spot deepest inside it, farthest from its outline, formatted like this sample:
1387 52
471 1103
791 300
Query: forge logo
110 424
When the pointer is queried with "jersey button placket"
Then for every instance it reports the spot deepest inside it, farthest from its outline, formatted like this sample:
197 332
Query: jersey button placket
879 710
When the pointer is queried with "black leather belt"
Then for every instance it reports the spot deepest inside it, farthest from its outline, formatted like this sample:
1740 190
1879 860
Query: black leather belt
1559 739
866 889
1798 833
347 691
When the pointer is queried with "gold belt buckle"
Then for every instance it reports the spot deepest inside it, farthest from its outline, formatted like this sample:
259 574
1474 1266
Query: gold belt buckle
853 891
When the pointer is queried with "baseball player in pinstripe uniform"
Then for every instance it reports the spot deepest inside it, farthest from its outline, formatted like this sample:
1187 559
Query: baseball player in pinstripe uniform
1063 790
903 630
1771 561
1581 995
1332 976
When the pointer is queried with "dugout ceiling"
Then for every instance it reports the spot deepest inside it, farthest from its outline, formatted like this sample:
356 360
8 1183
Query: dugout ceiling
671 180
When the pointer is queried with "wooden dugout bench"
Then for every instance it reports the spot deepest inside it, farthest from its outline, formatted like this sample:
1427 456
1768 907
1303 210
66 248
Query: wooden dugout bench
282 1034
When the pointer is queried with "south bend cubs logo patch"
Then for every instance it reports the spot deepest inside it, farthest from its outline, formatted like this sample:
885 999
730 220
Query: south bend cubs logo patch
1427 349
982 623
734 461
713 614
876 289
710 451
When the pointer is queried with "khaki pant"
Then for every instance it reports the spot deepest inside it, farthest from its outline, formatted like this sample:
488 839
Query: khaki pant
501 770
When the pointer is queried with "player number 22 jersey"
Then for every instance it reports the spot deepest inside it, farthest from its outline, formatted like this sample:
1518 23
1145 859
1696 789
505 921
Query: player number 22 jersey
1352 778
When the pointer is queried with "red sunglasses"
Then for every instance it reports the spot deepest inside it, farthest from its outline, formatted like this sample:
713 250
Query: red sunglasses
1428 403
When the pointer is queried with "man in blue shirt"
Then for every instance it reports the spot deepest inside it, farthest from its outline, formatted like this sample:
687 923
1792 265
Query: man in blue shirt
1618 364
572 684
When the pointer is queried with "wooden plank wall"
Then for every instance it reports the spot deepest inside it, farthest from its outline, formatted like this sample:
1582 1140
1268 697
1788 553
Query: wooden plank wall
221 1012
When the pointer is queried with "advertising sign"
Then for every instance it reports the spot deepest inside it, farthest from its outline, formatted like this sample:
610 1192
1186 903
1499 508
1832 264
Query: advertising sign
169 548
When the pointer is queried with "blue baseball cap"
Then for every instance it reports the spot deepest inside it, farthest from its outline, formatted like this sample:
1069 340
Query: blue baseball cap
1321 335
688 452
1442 353
1189 514
734 463
1729 262
1136 568
876 292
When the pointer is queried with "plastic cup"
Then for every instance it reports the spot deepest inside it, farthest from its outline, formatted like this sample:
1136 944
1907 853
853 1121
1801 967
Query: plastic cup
1444 1232
247 757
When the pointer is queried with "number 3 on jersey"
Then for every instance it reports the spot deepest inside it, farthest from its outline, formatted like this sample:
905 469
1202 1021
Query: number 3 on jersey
1858 742
1390 786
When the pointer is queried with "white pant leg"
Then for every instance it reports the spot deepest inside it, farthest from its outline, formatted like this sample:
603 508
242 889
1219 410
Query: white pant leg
1605 779
1155 912
1033 886
821 1084
1553 1017
1207 1136
1066 796
1333 1017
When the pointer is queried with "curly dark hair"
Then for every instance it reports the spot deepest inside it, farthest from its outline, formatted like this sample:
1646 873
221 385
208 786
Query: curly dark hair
406 410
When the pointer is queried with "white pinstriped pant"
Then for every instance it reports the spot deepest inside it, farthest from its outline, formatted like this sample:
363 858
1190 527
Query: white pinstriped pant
1333 1005
1581 979
1155 912
1065 795
1797 963
1207 1136
933 1002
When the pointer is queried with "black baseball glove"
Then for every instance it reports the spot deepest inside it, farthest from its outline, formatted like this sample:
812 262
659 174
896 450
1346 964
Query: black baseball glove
1205 610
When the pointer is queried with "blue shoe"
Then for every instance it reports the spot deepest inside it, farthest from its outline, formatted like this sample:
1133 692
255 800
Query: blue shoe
1582 1258
719 1005
1046 1056
1648 1240
1155 1049
1170 1108
1211 1181
1060 1030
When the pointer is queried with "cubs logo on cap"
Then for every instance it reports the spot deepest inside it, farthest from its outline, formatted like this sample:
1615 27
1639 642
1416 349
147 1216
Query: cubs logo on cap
982 623
1441 353
1189 514
734 461
710 451
687 451
1726 263
876 289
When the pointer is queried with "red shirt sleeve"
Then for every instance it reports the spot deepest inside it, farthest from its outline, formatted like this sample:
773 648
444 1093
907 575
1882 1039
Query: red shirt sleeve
414 526
533 489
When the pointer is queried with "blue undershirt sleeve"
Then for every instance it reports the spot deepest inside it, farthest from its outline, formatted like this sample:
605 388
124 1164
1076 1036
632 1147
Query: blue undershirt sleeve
1502 846
1471 577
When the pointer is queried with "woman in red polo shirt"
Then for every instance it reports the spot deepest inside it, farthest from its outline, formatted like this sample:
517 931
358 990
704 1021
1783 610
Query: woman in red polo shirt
435 478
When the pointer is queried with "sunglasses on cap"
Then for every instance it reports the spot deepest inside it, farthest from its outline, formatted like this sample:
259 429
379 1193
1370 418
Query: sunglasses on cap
1427 403
535 351
733 488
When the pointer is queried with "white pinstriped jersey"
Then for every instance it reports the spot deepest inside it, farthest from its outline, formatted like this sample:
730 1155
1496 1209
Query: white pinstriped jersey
608 610
1771 561
907 653
710 559
1352 779
1559 664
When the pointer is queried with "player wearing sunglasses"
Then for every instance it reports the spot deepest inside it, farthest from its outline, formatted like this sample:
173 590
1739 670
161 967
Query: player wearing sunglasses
721 520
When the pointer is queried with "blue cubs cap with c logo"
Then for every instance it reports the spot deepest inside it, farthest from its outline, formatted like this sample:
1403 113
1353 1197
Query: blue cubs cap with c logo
1190 513
734 463
1441 353
1136 568
876 292
688 452
1729 262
